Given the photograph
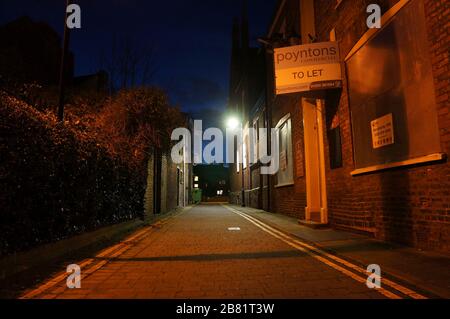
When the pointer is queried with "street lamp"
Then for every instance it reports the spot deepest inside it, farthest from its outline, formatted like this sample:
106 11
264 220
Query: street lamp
233 123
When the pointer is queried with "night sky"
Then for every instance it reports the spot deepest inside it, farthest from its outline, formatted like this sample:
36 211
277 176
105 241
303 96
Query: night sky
191 38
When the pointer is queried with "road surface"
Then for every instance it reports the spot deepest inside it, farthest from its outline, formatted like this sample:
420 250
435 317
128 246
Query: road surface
211 251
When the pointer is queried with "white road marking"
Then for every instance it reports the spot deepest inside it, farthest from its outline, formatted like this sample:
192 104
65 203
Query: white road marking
317 253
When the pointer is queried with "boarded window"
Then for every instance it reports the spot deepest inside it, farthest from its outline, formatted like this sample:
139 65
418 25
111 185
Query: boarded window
392 96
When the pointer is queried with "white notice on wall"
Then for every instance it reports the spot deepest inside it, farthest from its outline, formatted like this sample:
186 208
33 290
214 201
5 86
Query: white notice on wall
383 131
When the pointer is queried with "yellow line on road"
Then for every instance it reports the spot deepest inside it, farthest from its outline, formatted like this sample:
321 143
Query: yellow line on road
315 252
109 253
63 275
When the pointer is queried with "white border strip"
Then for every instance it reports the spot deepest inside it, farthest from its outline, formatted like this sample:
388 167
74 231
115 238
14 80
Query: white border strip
419 160
318 253
385 19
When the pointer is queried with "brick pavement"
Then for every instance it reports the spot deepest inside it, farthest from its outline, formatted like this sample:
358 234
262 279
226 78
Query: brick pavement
194 255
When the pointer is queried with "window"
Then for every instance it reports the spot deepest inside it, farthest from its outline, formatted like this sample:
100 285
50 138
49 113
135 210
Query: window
196 179
334 135
219 192
392 99
195 185
285 173
335 147
255 144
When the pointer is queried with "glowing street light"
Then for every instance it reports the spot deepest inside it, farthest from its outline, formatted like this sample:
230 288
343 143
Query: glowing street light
233 123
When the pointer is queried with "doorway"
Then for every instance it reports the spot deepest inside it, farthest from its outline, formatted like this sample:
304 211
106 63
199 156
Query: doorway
180 188
316 191
157 182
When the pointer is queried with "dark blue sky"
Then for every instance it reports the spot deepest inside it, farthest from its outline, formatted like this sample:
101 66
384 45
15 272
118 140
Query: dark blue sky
191 39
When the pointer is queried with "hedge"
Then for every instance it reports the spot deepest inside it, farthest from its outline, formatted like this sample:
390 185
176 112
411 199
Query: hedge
56 182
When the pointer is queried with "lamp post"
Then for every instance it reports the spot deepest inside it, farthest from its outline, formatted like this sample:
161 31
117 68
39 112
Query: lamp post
62 74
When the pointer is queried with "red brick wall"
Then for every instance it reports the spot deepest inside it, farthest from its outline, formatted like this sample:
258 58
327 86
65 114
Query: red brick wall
405 205
173 187
149 191
169 185
290 200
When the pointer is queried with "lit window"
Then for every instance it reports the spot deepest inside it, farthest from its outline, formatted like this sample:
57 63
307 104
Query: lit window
195 185
255 140
220 192
196 179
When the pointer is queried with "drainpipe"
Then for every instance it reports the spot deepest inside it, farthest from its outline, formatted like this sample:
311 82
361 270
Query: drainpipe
268 122
243 187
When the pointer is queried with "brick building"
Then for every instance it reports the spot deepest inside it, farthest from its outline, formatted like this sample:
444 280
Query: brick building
31 52
247 102
169 185
334 169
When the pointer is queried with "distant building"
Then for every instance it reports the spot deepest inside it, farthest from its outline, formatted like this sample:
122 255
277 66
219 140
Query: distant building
31 52
169 184
247 102
213 180
97 82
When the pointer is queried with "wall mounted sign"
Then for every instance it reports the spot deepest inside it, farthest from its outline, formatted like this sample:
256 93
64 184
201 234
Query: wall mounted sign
307 67
382 131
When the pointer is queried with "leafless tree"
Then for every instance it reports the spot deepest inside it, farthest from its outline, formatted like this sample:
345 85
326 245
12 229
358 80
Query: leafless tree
129 64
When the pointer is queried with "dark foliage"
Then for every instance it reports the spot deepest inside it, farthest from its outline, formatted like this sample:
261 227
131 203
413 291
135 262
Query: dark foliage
56 182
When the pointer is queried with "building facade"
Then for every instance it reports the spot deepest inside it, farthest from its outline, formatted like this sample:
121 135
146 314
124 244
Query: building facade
370 155
247 102
169 184
31 52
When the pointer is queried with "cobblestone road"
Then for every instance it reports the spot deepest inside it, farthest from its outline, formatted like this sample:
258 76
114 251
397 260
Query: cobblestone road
195 255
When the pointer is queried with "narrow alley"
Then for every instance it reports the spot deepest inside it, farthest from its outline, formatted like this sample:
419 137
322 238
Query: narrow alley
211 251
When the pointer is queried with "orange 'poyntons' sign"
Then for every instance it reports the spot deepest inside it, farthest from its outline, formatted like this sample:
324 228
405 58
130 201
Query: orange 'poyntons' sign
307 67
